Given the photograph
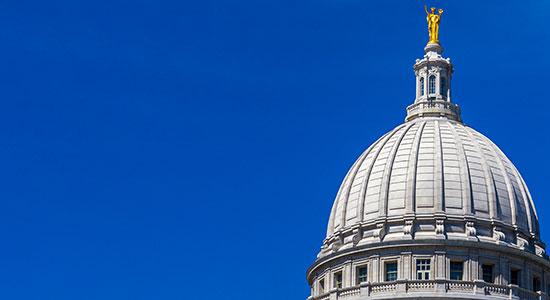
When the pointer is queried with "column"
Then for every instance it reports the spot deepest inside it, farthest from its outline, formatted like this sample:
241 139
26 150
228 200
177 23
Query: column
406 257
440 265
505 271
376 268
440 271
347 273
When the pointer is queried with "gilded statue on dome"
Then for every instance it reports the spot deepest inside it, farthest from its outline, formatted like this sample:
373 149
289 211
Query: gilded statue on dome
433 24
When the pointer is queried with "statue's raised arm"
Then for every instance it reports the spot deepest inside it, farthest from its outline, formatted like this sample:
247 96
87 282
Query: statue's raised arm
426 8
440 11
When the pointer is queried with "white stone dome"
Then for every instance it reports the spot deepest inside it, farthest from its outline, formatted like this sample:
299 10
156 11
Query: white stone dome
432 210
433 168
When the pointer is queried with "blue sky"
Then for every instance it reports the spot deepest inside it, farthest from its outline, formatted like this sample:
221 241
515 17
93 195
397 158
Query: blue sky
192 149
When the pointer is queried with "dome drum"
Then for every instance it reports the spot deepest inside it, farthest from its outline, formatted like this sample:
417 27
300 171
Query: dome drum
442 280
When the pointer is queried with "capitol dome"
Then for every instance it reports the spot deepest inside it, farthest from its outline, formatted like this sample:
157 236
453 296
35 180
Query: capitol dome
434 210
433 169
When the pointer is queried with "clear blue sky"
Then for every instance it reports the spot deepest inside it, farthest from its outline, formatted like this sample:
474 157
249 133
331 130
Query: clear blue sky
192 149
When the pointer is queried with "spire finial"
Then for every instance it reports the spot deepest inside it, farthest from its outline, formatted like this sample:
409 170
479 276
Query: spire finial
433 24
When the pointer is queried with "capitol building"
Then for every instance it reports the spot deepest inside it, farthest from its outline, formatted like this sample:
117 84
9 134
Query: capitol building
432 210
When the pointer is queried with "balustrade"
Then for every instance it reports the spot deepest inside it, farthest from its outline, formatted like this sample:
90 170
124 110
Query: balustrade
420 285
460 286
349 292
383 287
450 286
433 106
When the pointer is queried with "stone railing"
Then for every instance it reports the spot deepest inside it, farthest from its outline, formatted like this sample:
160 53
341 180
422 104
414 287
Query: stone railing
460 286
438 287
383 287
496 289
529 295
349 292
420 285
324 296
433 107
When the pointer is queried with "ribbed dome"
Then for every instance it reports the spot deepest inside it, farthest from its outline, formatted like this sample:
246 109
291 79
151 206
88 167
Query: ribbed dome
432 210
434 168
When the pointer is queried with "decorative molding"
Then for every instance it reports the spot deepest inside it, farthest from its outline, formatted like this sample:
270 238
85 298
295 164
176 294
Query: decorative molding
379 232
522 242
470 229
498 235
408 228
357 236
440 227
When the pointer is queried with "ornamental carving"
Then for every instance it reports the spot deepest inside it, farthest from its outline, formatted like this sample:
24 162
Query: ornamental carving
470 229
439 227
522 242
408 228
379 231
357 236
539 250
498 234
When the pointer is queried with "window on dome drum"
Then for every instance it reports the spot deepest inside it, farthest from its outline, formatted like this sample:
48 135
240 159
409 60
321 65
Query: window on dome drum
391 271
536 284
422 86
321 286
431 84
362 274
487 271
443 87
338 279
514 276
457 270
423 269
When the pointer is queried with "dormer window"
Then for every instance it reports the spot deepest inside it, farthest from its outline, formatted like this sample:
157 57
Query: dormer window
421 86
431 83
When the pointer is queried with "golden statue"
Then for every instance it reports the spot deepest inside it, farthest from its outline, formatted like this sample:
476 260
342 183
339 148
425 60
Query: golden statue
433 24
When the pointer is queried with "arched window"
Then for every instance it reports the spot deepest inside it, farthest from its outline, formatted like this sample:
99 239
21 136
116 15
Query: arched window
421 86
431 83
443 87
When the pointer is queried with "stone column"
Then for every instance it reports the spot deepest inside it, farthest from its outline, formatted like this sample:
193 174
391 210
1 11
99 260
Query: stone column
474 266
524 274
505 267
426 84
375 259
543 281
440 270
406 257
417 85
347 273
438 85
440 265
497 272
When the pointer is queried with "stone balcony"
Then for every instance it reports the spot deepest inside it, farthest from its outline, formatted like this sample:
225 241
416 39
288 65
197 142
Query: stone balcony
438 289
433 108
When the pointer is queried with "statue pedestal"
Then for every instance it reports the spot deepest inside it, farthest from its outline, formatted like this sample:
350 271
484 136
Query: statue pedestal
433 47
